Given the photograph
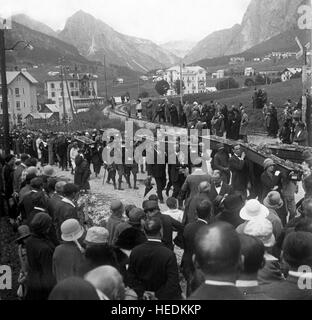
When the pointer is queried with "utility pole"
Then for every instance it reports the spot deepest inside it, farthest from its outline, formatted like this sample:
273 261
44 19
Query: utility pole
4 87
105 76
138 87
181 82
62 88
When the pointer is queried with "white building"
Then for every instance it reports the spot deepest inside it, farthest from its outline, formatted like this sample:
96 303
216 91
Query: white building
80 89
249 72
288 73
22 96
194 78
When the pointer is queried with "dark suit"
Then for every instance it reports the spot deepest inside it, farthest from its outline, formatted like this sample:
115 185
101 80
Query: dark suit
158 172
190 214
189 234
239 171
169 225
209 292
153 267
64 212
287 290
190 186
214 195
221 163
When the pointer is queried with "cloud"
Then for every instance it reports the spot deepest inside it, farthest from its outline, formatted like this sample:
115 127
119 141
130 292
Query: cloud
157 20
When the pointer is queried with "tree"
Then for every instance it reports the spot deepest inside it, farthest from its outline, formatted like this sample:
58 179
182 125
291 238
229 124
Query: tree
143 95
162 87
177 86
249 82
228 83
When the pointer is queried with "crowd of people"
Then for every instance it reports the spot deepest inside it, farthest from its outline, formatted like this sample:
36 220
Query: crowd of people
240 239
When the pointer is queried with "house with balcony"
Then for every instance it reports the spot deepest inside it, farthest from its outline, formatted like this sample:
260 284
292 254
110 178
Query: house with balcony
194 78
72 93
22 96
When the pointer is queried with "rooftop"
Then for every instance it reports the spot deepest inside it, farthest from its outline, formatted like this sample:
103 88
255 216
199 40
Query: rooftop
11 76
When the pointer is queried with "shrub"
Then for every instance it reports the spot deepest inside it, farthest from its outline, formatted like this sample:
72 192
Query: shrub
228 83
249 82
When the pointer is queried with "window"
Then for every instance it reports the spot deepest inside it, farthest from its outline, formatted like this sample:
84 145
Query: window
61 85
24 105
71 84
18 105
23 91
52 86
72 93
53 94
17 93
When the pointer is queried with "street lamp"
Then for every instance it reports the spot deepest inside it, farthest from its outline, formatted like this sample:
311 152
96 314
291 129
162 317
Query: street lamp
4 87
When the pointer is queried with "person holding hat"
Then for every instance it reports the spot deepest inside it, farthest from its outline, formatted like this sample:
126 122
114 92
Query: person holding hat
262 229
40 249
68 257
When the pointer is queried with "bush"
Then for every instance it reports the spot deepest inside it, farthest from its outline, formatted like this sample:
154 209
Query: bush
162 87
228 83
249 82
262 80
143 95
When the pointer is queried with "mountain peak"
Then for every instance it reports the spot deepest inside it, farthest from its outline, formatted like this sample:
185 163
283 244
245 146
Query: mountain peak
33 24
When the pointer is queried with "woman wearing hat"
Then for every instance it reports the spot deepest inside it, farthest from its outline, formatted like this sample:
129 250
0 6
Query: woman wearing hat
270 178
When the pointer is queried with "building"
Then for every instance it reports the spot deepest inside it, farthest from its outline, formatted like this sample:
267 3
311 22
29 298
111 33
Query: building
237 60
22 96
41 119
249 72
220 74
79 90
194 78
270 73
289 73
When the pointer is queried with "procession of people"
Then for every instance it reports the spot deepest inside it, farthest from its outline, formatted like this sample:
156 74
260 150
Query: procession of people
241 234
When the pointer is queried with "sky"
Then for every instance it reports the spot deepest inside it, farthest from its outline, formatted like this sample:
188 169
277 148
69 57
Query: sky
156 20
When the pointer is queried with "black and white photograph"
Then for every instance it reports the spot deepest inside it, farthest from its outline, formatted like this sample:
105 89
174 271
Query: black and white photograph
155 152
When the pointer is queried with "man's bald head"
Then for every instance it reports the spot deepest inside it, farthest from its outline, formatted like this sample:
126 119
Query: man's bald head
59 187
217 249
204 187
108 280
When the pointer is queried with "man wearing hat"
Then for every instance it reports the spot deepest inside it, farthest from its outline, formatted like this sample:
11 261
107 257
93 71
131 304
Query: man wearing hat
68 256
136 217
169 225
117 211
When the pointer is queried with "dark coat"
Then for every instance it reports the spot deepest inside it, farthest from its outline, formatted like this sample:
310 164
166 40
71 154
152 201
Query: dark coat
225 189
153 267
190 207
64 211
40 280
287 290
190 186
189 234
268 183
208 292
239 171
82 173
169 225
221 163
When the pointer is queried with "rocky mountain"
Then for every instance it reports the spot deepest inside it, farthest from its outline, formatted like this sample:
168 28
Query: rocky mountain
34 24
179 48
263 20
46 49
97 39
